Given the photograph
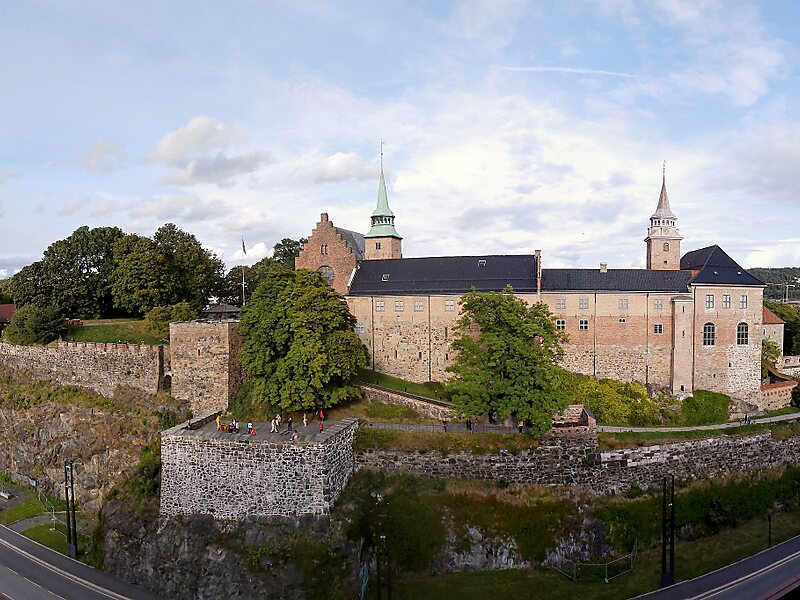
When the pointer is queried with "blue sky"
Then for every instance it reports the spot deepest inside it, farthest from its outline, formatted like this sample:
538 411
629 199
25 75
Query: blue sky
508 126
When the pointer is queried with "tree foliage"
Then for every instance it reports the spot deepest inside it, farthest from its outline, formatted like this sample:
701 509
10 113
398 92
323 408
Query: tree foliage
506 362
791 331
300 349
5 292
170 268
159 318
74 274
770 353
34 324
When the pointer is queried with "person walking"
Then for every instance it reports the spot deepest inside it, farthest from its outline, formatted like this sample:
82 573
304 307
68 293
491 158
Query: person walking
321 425
289 424
520 425
305 420
272 427
219 423
250 427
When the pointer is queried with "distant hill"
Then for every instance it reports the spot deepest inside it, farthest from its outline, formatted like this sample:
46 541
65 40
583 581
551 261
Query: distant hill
781 275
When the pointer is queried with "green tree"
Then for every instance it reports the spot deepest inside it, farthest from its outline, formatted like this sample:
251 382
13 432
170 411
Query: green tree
770 353
300 348
287 250
34 324
31 286
158 319
170 268
6 296
506 362
791 331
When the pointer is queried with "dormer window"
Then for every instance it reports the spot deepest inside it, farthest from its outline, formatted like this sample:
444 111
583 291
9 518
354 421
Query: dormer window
666 246
377 245
481 262
385 277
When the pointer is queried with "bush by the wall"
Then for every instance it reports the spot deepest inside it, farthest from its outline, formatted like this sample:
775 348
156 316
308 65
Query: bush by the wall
705 408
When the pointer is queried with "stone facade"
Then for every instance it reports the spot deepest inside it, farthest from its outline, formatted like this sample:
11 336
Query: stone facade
101 368
237 476
576 460
206 363
790 365
328 252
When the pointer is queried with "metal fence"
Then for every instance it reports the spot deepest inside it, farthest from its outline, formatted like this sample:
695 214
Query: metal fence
51 510
600 571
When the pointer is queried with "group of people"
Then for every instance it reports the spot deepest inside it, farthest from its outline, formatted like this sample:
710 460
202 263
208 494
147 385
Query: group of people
275 425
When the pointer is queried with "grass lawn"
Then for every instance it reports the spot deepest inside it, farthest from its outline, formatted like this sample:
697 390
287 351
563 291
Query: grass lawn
416 441
692 558
112 330
56 540
427 390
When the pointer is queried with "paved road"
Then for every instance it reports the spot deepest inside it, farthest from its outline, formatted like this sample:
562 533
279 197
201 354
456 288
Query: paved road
768 575
29 571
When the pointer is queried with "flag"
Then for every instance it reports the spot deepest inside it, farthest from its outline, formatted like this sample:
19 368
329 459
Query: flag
243 249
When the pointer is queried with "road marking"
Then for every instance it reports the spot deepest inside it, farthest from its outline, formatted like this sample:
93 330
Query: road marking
726 586
87 584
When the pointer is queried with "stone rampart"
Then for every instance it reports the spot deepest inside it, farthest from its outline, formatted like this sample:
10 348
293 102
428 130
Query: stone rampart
234 476
97 367
577 460
429 409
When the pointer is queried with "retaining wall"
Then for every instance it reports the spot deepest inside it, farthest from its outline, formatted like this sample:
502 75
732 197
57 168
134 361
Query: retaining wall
434 411
97 367
237 476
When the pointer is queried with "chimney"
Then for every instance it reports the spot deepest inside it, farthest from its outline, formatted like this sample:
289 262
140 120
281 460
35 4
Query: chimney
604 267
538 255
323 218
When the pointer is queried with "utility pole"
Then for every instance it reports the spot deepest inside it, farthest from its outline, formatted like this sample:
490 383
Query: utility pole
667 575
672 535
66 498
74 517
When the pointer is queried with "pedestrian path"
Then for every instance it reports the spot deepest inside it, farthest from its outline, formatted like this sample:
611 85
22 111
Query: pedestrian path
730 425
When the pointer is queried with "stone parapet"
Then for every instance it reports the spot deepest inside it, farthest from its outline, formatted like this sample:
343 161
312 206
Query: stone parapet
237 476
100 368
430 408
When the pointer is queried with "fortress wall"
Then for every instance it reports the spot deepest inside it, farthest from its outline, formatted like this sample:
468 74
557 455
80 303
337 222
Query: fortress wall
94 366
236 476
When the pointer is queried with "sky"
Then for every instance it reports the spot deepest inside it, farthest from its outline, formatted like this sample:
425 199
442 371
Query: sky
508 126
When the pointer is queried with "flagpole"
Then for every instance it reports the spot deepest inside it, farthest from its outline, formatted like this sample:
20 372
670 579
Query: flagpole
244 253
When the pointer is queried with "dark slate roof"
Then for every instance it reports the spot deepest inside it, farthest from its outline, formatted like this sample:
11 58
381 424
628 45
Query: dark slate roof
617 280
444 275
354 240
711 265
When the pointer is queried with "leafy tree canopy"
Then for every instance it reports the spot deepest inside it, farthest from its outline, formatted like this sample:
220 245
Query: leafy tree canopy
791 331
5 292
75 273
33 324
158 319
300 349
170 268
506 362
284 253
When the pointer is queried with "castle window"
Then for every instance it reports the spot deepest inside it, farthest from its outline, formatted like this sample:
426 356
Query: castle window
377 245
623 320
709 300
561 304
623 304
726 300
658 328
742 337
323 249
709 334
743 301
385 277
561 324
445 333
583 324
418 305
398 306
420 355
666 246
379 305
360 328
658 304
449 304
583 303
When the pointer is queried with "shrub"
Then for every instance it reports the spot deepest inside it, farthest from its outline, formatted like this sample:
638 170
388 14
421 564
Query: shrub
705 408
158 319
33 324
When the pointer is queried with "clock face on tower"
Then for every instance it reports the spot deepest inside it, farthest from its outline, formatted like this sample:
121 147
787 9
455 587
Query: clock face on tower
327 274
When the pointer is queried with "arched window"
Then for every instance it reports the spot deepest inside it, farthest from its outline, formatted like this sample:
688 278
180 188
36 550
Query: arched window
709 334
742 337
666 246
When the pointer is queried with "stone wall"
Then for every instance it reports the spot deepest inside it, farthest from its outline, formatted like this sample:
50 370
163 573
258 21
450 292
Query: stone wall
434 411
327 251
577 460
790 365
237 476
206 363
100 368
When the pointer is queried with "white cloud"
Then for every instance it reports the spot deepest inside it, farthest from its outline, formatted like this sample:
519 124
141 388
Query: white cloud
7 175
255 253
219 169
343 166
105 157
73 205
189 208
199 135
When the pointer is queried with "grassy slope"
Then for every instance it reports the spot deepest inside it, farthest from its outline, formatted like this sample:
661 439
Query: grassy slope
427 390
110 331
692 558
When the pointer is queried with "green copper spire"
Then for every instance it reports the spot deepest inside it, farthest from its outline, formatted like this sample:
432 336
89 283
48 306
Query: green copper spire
382 216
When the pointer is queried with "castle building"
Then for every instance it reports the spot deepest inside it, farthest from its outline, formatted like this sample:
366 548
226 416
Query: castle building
682 323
